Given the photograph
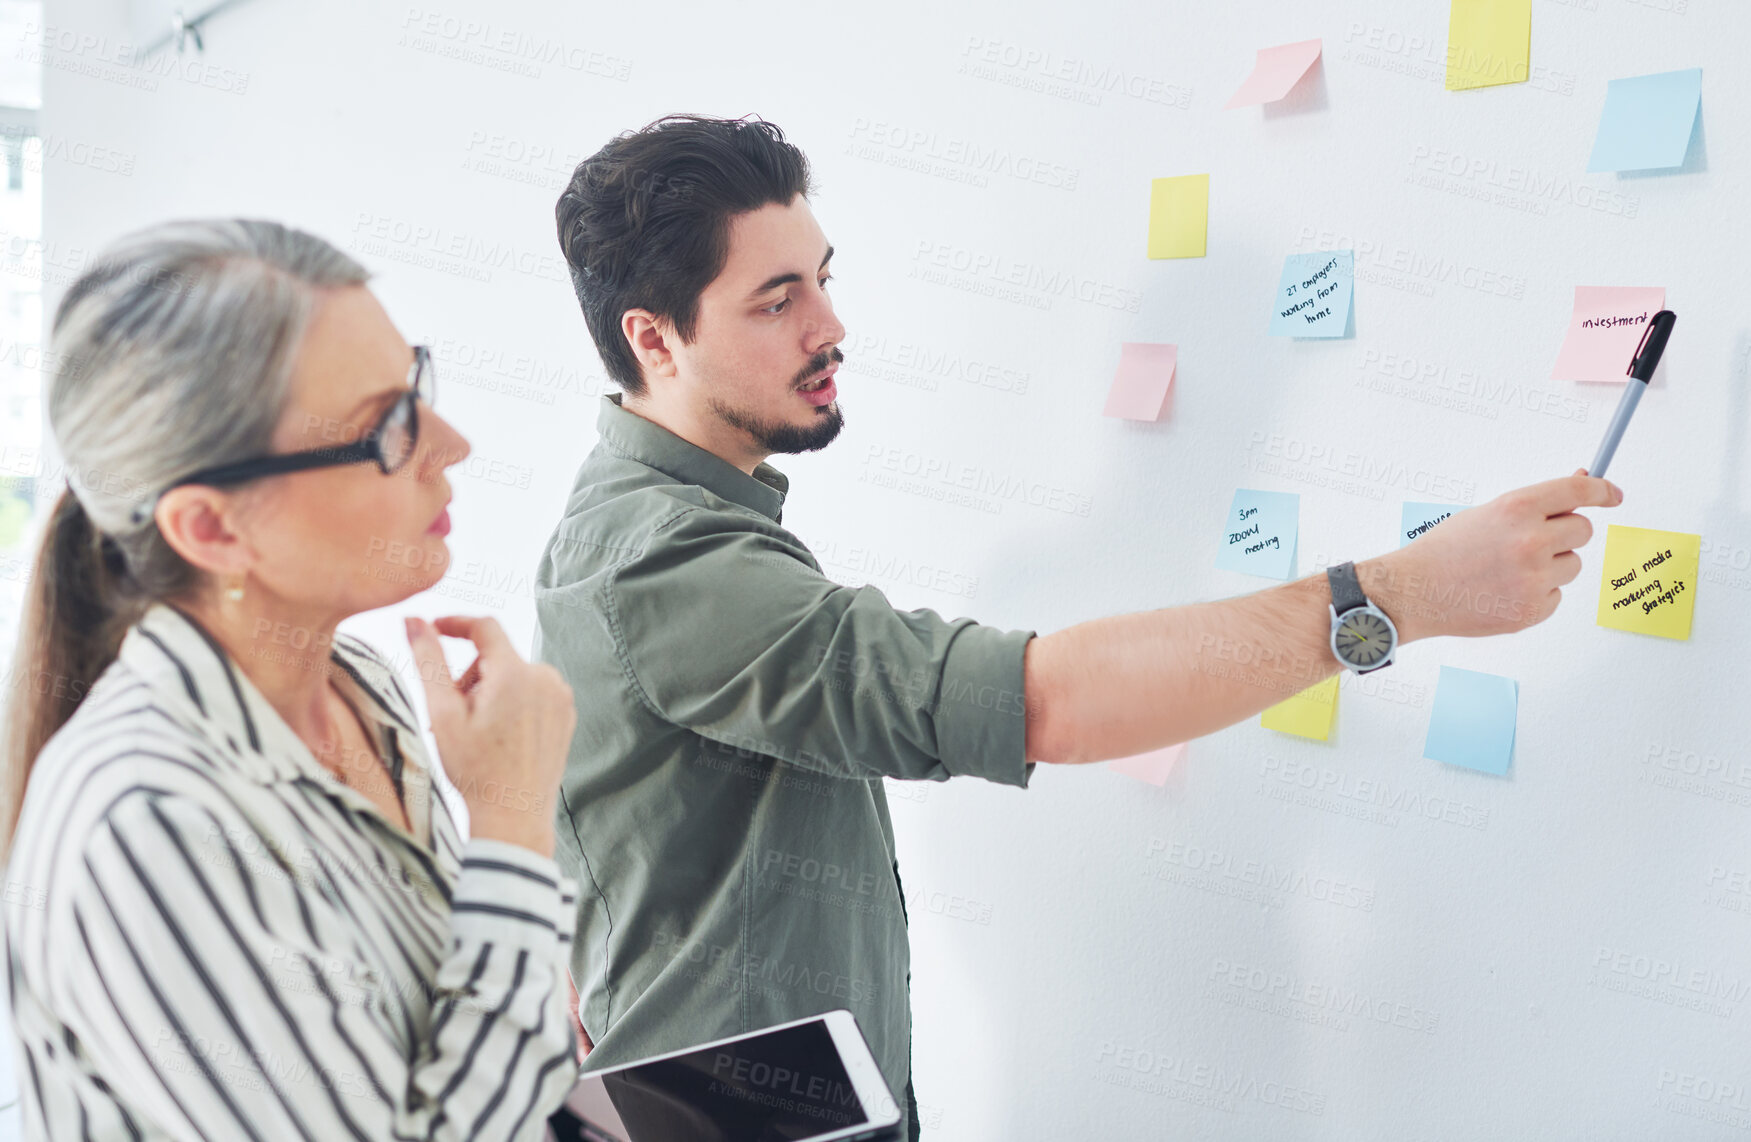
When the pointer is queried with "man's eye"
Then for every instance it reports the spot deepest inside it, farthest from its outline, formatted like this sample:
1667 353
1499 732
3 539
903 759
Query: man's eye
778 307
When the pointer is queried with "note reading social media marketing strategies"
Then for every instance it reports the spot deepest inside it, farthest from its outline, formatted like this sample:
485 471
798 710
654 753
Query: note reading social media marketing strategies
1648 580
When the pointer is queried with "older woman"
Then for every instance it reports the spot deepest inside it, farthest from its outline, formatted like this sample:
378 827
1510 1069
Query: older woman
235 907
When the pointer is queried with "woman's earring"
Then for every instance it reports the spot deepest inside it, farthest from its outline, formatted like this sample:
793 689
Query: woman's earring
234 593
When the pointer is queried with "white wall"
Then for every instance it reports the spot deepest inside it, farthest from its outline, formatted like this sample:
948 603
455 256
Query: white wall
1059 953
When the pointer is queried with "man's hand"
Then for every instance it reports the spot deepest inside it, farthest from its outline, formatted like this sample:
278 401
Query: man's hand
1117 686
1491 569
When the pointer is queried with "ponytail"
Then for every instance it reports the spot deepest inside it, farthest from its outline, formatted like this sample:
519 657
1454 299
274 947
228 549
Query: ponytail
187 330
77 609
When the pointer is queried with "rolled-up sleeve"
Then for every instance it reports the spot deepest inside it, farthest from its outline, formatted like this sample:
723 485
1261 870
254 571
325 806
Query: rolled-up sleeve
726 627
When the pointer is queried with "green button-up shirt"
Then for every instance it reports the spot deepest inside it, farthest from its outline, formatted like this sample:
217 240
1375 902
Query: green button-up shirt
722 809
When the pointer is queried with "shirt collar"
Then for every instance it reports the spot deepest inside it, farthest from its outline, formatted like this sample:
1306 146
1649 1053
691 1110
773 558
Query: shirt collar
651 444
190 671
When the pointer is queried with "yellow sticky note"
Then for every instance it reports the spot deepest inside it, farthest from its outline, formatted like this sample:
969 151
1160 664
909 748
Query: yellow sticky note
1488 42
1648 583
1179 211
1308 714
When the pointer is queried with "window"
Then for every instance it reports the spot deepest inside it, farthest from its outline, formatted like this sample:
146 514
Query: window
21 335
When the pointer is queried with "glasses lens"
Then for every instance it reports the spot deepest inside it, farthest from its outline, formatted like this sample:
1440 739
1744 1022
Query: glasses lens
425 381
395 437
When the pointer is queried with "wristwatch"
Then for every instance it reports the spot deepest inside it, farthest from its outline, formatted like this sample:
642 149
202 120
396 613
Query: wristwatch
1362 637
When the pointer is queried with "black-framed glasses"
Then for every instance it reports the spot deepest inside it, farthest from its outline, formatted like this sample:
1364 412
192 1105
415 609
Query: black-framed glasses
389 444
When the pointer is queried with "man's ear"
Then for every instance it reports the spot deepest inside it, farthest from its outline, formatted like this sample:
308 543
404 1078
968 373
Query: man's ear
648 336
199 523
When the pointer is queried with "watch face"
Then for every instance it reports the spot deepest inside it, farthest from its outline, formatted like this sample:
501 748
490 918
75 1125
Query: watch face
1363 638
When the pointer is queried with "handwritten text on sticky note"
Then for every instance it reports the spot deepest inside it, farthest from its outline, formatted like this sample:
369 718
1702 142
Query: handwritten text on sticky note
1648 580
1259 537
1604 330
1419 517
1313 298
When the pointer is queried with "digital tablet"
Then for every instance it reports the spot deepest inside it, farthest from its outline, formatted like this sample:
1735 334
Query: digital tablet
812 1080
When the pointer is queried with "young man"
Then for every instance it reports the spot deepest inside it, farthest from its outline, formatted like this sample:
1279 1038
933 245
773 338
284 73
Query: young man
722 810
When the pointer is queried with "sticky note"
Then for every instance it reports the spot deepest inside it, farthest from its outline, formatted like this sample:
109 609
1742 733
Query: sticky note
1259 538
1179 210
1139 389
1647 121
1488 42
1648 580
1418 517
1274 72
1605 330
1313 299
1308 714
1472 723
1152 767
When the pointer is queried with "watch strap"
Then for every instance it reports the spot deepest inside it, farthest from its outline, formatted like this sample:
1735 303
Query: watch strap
1346 589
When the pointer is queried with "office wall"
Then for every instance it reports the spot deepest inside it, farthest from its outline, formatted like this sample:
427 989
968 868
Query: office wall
1562 952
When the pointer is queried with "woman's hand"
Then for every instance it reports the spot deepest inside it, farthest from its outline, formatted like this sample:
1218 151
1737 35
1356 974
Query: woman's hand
502 729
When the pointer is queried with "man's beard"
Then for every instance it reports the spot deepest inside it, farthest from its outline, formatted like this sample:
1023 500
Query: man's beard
786 439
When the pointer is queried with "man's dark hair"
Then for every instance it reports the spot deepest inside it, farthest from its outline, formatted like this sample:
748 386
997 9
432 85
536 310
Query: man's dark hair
645 221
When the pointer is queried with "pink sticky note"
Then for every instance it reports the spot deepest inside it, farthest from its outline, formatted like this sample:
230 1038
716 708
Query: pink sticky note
1274 72
1152 767
1606 328
1139 389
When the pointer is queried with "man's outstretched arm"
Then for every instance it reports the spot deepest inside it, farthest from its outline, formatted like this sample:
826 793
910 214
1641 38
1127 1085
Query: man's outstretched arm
1118 686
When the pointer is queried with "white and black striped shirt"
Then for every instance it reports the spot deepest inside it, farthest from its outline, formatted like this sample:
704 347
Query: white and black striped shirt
209 936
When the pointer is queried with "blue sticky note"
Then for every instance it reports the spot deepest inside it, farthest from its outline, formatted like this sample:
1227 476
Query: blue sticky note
1473 720
1647 121
1261 533
1313 299
1419 517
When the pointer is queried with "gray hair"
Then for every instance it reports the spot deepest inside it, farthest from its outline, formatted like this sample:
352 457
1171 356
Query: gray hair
173 352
